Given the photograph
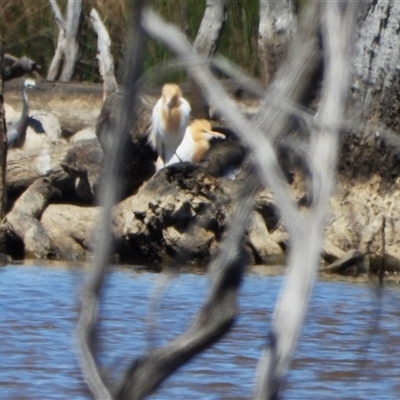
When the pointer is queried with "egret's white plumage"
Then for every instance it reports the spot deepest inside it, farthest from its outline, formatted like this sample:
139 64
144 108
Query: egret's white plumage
196 142
169 121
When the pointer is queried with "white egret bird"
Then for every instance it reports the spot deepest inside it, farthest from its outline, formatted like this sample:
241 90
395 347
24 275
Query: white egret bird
196 142
169 121
16 132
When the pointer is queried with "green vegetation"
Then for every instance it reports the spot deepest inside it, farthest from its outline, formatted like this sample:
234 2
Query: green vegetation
27 27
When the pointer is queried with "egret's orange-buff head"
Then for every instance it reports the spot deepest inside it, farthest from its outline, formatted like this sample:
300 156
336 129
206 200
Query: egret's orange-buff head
202 133
171 115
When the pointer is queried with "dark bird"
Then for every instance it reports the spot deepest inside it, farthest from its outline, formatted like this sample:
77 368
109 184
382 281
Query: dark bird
16 132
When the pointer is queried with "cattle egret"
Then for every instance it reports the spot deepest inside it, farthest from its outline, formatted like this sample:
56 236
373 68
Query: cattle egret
196 142
169 122
16 133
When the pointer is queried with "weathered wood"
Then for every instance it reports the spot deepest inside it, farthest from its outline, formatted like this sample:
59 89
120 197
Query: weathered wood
83 163
3 153
179 199
25 167
71 229
375 83
22 222
276 27
295 80
104 57
205 44
67 47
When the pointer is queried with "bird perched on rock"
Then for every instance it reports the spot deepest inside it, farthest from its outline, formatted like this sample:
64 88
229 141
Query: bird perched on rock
16 132
196 142
169 121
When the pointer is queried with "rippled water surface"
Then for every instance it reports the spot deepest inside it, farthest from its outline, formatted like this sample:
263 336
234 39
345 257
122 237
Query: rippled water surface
350 347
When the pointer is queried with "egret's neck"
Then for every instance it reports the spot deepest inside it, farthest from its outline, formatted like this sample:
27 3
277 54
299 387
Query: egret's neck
25 101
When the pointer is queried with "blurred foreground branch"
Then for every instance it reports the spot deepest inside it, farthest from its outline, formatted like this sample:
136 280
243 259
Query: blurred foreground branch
306 229
304 226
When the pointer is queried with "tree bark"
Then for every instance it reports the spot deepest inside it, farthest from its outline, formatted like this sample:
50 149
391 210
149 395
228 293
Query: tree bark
376 79
275 31
205 45
104 57
3 153
24 167
67 47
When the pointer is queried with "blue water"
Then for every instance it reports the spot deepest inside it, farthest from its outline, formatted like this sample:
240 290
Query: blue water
349 349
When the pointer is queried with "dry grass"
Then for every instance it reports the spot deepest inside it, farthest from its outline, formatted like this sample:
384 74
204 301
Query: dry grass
27 27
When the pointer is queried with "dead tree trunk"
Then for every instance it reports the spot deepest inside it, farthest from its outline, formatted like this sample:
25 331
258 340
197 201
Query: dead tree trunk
3 153
67 47
205 44
104 57
376 77
275 31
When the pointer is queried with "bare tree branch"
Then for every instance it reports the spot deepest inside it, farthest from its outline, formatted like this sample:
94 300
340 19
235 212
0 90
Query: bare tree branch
67 46
306 242
214 319
57 59
276 27
205 44
296 77
104 57
71 50
306 229
108 196
57 14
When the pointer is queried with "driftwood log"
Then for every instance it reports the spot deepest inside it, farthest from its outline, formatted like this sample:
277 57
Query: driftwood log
22 222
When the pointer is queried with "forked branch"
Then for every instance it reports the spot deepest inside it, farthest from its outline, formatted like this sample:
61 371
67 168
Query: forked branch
67 46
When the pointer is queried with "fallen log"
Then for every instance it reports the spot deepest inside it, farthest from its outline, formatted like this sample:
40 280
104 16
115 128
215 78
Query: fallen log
24 167
22 222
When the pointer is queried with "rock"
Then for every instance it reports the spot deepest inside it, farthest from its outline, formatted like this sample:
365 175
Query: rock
352 263
265 249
